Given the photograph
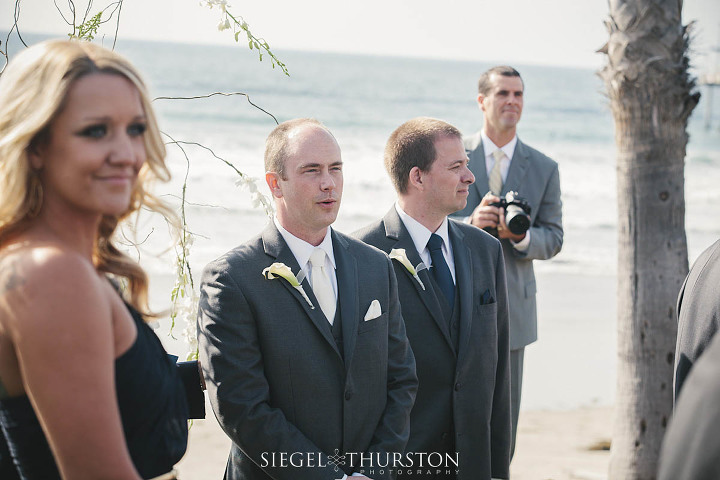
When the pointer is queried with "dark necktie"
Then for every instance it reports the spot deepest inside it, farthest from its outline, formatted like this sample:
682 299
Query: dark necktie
440 269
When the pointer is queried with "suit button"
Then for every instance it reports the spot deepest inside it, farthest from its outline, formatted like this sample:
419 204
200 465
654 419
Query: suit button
444 436
458 385
348 395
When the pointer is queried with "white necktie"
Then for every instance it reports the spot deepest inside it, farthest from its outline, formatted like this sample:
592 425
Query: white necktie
320 282
495 181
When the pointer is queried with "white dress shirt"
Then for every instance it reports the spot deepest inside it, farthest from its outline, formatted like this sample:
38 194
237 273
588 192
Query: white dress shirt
420 236
509 150
302 250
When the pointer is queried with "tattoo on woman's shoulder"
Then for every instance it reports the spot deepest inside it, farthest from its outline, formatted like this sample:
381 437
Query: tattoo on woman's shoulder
10 277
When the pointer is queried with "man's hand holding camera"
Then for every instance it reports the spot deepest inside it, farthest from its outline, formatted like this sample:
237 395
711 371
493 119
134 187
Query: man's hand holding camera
490 215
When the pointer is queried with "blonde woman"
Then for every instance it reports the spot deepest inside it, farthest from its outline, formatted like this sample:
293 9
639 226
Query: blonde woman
86 389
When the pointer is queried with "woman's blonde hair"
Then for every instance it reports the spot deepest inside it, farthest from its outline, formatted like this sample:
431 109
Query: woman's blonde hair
33 90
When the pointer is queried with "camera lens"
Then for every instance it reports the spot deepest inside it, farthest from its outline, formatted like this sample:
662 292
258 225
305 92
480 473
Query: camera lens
516 219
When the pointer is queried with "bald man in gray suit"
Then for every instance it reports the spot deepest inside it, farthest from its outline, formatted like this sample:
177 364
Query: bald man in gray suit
501 164
310 374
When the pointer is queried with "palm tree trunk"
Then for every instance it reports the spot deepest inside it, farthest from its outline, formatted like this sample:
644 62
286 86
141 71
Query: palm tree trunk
651 98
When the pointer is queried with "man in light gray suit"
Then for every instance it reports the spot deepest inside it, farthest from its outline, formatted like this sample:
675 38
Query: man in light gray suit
691 447
308 366
501 164
456 313
698 310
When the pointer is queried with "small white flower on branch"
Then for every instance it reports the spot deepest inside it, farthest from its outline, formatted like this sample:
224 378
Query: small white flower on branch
224 24
222 4
256 197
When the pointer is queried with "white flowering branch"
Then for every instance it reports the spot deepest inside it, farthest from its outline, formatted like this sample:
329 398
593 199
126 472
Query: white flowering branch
239 25
184 297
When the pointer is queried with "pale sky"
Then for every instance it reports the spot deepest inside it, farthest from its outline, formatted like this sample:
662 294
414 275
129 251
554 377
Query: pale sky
548 32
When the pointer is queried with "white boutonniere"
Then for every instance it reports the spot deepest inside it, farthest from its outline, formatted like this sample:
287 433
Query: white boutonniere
400 255
283 271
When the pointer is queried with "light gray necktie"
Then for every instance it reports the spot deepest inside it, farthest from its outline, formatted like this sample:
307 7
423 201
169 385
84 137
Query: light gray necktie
320 282
495 181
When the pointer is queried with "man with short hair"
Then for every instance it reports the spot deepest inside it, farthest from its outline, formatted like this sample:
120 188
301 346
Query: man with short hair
501 164
308 366
455 310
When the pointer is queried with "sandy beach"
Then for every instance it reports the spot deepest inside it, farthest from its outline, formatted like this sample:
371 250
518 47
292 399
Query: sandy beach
552 445
566 417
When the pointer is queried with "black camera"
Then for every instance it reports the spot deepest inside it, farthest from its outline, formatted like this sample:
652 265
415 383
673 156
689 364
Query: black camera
517 213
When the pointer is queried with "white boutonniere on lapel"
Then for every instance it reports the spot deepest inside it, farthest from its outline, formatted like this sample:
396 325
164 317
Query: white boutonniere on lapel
281 270
400 255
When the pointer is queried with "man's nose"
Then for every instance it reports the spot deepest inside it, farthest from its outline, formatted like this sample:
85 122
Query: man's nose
327 182
468 176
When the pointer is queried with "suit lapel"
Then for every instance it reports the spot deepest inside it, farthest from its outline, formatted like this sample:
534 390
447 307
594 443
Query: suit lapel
347 281
395 230
478 167
276 247
464 282
518 167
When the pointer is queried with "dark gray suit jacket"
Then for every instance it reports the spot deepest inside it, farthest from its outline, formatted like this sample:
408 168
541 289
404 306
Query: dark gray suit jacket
468 390
691 447
276 379
535 177
698 308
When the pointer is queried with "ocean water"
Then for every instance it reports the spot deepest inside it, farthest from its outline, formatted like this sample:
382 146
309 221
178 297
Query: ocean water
362 99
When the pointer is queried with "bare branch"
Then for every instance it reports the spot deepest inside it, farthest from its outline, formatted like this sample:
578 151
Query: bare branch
72 9
87 11
117 23
224 94
16 17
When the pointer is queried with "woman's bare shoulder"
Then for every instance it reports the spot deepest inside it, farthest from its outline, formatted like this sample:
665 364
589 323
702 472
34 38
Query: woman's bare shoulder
46 280
42 266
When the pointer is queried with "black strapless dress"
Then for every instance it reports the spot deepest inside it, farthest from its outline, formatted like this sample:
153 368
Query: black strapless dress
153 409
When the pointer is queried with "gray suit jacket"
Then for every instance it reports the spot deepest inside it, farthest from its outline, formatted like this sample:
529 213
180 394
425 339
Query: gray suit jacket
698 308
465 392
276 379
691 447
535 177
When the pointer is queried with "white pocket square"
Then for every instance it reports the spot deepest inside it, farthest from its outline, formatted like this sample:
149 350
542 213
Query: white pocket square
374 311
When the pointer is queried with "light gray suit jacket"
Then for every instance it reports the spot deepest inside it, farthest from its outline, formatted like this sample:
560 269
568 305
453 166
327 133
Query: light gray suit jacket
465 392
698 309
691 447
276 379
535 177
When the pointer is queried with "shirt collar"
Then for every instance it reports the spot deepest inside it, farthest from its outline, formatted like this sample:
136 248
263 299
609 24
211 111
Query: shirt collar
489 146
420 234
302 249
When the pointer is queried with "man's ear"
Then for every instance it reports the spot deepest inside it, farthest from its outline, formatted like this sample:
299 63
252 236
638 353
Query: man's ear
480 99
273 181
416 178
